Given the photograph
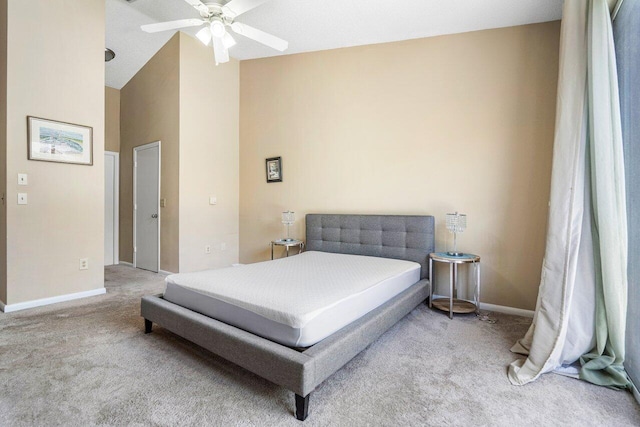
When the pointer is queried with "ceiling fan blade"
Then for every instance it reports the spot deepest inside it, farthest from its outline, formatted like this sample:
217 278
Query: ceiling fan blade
238 7
219 51
260 36
201 7
172 25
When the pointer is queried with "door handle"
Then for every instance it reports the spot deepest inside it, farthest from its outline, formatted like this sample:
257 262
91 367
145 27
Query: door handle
154 216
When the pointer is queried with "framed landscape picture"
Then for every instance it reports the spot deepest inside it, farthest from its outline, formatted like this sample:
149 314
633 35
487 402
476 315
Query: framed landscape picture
52 141
274 169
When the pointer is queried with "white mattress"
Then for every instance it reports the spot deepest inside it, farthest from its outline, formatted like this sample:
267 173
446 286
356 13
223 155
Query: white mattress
296 301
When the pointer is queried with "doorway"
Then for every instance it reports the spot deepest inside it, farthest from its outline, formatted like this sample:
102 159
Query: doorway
111 214
146 207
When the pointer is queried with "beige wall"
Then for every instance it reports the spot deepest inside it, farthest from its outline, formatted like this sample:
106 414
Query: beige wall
3 150
182 99
55 70
462 122
209 140
149 111
112 119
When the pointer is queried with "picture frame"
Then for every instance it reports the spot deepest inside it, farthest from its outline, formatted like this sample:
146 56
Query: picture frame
60 142
274 169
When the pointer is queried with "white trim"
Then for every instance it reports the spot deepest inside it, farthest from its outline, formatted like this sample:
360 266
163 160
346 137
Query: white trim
116 205
128 264
53 300
135 187
507 310
499 308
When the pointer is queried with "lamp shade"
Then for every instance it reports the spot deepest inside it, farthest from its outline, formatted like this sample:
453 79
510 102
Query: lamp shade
456 223
288 217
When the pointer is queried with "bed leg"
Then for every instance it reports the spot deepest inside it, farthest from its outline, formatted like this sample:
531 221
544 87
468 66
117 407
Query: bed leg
302 407
147 326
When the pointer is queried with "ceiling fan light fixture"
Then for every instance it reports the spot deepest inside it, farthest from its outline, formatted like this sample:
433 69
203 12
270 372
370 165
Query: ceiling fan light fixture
204 35
228 40
220 53
217 28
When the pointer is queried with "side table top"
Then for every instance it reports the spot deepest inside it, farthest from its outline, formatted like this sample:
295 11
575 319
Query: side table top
457 259
280 242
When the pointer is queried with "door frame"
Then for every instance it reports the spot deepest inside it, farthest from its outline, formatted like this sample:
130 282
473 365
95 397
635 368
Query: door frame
135 191
116 205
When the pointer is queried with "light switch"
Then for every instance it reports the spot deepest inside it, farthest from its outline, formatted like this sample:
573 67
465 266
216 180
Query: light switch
213 200
163 203
22 179
22 198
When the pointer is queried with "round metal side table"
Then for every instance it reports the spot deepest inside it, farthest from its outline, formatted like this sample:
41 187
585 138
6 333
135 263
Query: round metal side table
287 244
453 304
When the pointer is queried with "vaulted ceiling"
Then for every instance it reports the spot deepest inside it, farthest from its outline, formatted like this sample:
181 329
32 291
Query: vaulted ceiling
311 25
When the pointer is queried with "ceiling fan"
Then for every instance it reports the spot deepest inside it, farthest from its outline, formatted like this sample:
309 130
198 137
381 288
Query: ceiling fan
217 18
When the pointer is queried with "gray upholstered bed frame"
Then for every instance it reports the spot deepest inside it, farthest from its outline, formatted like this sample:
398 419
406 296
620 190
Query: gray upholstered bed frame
389 236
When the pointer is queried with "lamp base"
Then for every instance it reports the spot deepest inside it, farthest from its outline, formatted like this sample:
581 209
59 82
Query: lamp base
455 253
287 239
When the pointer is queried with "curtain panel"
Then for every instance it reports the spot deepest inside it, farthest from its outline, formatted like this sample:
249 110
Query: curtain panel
581 307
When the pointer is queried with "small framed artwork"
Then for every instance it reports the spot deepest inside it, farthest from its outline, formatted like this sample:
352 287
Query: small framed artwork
274 169
53 141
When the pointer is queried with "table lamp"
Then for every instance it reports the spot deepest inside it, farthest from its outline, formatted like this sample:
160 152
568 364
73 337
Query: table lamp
456 223
288 218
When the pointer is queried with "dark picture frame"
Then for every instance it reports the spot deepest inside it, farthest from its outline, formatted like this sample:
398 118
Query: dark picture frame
274 169
60 142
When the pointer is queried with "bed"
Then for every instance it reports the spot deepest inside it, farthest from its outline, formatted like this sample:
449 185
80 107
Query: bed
299 345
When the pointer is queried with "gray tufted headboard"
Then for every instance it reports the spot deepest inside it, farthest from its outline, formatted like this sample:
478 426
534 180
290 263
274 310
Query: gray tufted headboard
408 237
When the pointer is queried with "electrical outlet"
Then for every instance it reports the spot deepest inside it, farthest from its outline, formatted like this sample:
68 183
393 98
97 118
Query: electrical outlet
207 249
223 246
84 263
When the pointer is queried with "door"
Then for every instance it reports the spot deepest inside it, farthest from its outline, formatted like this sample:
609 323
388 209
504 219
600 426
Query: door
146 193
111 172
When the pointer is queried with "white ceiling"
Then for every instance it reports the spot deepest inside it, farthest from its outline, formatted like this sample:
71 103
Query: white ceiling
311 25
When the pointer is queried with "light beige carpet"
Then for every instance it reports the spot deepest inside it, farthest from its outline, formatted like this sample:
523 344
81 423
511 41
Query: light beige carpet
88 362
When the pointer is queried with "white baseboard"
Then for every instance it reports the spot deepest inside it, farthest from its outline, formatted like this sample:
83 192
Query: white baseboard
499 308
128 264
8 308
506 310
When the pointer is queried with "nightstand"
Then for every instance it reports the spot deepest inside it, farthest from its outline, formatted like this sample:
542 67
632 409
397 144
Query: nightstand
287 244
453 304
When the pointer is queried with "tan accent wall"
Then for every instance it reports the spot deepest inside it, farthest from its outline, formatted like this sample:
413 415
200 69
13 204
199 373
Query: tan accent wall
112 119
460 122
209 143
149 111
55 70
3 150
